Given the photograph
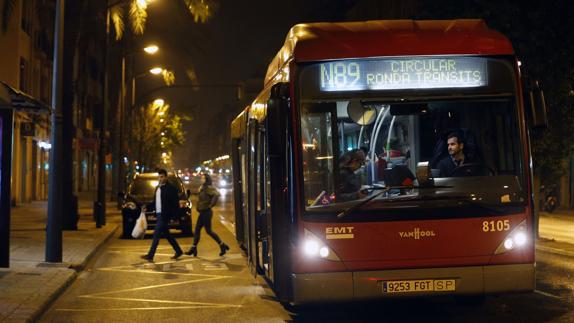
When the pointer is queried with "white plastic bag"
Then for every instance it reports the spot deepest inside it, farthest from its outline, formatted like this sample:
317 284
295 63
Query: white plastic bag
141 226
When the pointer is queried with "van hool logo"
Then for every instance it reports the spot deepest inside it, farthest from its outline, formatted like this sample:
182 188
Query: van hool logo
417 234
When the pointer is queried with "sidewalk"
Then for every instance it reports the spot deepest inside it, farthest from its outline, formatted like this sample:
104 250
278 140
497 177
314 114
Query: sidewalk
29 286
558 225
556 231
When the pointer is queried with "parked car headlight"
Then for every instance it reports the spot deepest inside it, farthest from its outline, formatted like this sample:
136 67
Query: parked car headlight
130 205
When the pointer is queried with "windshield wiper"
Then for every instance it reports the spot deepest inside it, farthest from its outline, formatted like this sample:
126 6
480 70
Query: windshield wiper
384 189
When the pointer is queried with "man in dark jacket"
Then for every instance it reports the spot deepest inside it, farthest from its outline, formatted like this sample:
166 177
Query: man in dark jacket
456 158
166 206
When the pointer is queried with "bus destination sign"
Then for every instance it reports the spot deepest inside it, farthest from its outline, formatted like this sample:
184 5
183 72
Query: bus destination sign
407 73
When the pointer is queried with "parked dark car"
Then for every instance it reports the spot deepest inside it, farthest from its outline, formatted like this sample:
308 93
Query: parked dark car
141 191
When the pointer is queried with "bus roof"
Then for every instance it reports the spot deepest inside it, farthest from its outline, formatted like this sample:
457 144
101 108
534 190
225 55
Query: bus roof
324 41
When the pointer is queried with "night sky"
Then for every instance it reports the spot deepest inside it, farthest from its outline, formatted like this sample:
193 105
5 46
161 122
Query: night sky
236 44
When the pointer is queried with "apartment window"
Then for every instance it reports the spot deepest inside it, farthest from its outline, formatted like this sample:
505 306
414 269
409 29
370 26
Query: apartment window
23 75
26 16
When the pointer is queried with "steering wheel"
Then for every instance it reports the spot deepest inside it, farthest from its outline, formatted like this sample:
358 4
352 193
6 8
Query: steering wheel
471 169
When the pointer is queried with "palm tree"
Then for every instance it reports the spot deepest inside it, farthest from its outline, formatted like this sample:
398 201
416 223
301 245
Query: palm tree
201 10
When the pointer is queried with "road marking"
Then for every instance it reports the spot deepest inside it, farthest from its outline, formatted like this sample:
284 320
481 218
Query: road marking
214 277
547 294
228 225
137 308
163 301
192 305
214 266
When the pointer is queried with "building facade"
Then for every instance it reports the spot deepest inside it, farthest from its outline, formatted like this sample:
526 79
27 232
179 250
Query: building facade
26 65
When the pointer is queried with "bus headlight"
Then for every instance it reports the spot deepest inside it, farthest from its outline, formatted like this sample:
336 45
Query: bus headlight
517 238
315 248
324 252
311 247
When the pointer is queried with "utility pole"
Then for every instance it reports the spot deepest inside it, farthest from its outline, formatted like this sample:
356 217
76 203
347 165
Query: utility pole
55 201
100 203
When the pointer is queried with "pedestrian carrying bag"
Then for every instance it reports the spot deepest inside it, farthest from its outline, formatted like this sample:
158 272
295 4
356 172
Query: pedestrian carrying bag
141 225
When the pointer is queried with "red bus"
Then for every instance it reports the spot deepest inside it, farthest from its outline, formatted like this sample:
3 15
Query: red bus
387 159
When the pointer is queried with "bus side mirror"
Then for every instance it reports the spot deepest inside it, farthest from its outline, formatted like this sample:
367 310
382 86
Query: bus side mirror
538 117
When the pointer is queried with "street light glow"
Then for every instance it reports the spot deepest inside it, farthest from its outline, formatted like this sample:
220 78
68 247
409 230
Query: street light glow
151 49
156 70
158 103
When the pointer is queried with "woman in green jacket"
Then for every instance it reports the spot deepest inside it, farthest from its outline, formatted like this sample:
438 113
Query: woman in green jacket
208 196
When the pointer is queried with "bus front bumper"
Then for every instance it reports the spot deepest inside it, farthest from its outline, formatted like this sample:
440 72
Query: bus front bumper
361 285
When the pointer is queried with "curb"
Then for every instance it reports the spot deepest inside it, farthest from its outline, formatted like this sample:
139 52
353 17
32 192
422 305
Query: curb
75 268
80 266
555 251
54 296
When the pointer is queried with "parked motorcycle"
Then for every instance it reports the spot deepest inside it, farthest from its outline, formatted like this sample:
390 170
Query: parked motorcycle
549 198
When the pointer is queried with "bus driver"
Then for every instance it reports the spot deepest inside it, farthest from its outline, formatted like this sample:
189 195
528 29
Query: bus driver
456 156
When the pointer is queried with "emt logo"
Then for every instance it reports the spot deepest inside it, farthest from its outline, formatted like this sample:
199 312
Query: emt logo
339 233
417 234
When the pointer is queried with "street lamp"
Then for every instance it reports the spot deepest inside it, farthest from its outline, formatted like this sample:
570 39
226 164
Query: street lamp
158 103
151 49
156 70
118 147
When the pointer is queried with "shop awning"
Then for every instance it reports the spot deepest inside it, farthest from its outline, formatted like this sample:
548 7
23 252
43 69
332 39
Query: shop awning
11 98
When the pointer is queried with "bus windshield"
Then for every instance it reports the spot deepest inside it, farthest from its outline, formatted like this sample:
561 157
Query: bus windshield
367 124
351 149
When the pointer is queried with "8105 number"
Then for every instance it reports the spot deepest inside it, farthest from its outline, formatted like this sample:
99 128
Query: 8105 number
495 226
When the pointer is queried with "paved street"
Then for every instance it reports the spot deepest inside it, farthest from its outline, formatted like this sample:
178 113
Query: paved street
119 287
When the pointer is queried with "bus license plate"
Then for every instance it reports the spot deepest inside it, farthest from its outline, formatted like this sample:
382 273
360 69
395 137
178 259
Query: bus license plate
413 286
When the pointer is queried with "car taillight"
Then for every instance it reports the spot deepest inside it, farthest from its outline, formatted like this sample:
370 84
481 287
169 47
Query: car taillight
183 203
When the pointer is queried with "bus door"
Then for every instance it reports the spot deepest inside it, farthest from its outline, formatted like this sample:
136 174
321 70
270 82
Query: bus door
277 215
259 202
252 196
240 190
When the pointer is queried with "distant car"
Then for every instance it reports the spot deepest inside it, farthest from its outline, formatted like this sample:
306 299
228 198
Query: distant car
194 183
222 181
141 193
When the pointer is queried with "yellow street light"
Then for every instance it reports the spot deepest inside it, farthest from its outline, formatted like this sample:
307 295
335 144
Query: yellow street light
161 120
156 70
151 49
163 133
158 103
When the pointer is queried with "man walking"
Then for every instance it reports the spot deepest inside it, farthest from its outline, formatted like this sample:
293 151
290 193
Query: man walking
166 206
